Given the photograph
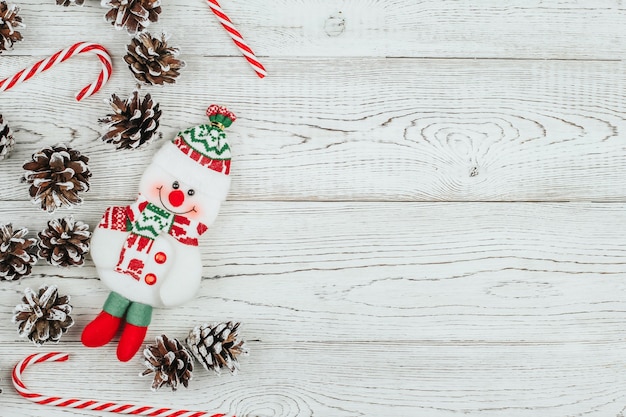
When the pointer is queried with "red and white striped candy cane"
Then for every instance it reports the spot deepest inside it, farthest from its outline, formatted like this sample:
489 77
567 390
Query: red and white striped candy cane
65 54
237 38
108 406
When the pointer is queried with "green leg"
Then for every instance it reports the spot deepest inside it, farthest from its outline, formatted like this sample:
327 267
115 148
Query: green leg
139 314
116 305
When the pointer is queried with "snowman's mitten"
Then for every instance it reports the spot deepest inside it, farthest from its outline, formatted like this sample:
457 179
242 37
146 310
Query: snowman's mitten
109 237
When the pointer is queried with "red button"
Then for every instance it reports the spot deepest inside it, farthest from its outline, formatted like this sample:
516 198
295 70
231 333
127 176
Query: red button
160 257
150 279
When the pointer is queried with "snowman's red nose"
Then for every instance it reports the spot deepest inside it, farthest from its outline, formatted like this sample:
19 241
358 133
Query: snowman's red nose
176 198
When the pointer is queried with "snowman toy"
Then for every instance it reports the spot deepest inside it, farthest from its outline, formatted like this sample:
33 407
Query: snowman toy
147 253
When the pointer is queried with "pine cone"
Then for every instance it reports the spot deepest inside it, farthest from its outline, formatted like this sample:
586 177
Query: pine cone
57 174
170 361
9 22
151 61
17 255
65 242
6 140
133 123
134 15
217 346
43 317
70 2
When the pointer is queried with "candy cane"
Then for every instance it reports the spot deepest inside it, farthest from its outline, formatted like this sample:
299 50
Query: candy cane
45 64
237 38
108 406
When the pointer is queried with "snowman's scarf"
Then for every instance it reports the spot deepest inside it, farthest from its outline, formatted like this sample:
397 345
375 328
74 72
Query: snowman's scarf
145 222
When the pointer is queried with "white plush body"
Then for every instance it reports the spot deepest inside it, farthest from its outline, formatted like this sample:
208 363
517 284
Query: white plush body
178 279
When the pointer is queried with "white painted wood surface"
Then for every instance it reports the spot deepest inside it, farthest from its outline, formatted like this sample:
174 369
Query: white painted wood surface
428 211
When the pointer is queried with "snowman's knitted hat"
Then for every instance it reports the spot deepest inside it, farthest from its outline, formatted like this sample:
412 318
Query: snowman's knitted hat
200 155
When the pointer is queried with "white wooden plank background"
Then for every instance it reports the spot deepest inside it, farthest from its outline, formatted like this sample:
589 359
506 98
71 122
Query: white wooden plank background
427 214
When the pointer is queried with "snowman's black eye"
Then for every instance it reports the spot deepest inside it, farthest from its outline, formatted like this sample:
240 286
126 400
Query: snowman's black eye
190 192
176 185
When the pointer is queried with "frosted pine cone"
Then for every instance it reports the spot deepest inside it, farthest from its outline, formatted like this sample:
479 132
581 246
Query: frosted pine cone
133 123
16 253
134 15
43 316
6 140
152 61
70 2
170 362
217 346
56 175
65 242
9 23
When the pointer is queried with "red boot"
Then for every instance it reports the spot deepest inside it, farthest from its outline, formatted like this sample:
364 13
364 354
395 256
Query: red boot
130 342
101 330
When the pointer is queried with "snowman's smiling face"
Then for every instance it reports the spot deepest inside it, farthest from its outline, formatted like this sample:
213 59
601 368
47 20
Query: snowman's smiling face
174 195
177 200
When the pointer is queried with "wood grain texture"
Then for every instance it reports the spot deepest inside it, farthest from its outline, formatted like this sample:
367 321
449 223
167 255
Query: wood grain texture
360 308
409 129
536 29
427 215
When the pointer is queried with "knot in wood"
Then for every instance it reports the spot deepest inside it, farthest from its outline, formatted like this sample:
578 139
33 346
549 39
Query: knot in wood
335 25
